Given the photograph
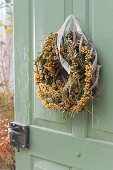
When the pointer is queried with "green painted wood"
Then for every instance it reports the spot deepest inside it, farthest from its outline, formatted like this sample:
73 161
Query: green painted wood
55 143
22 76
63 148
101 35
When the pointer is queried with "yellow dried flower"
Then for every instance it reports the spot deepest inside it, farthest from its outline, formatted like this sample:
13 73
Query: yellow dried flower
37 78
58 90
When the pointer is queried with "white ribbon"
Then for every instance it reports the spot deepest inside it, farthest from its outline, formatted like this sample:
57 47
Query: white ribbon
71 22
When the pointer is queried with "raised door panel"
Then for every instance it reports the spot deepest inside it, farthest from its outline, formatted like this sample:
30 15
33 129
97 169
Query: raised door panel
94 16
47 17
41 164
100 31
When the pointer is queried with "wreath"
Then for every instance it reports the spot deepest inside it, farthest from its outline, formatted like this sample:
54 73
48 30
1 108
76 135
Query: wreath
66 70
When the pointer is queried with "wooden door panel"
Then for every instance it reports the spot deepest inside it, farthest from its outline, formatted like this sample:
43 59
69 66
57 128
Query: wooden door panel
47 17
41 164
94 18
48 13
63 148
100 31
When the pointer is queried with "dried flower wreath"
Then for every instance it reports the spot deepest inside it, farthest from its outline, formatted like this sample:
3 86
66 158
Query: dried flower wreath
66 71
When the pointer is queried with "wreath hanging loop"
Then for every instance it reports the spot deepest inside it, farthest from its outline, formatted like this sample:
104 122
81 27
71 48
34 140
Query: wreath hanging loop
66 70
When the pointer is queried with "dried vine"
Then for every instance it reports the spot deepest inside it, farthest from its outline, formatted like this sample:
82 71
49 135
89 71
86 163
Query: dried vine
58 90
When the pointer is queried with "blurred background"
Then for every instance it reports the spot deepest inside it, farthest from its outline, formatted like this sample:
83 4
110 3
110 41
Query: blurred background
6 83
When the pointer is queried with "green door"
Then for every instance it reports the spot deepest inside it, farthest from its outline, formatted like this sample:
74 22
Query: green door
55 143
